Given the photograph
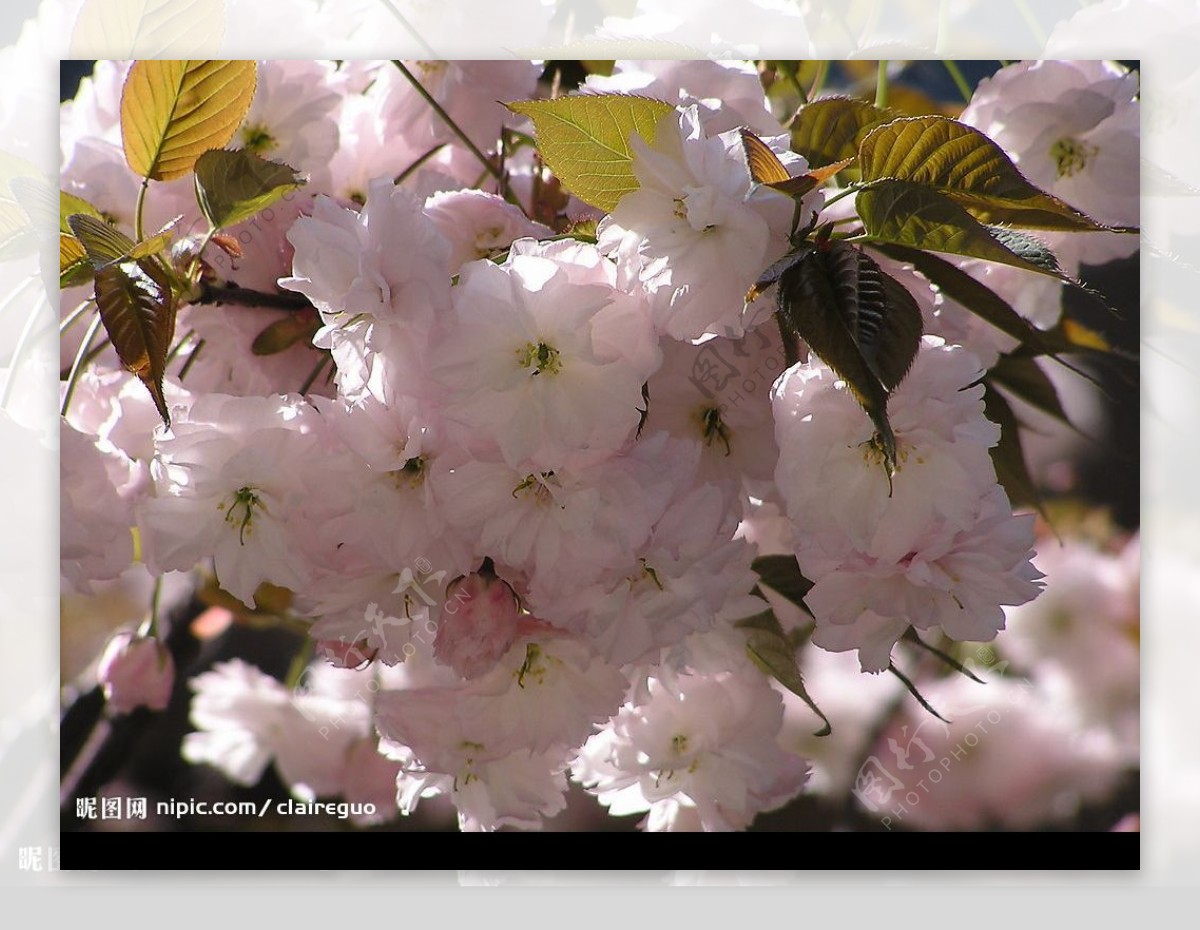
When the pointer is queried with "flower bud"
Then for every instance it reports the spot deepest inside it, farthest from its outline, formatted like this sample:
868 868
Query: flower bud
478 625
136 671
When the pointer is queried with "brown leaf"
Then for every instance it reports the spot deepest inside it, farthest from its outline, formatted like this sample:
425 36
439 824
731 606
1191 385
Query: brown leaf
137 308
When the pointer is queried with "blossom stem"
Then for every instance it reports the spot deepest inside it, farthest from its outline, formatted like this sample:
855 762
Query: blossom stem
191 360
960 80
845 192
411 30
75 315
315 373
194 266
792 78
150 627
299 663
407 172
80 362
492 169
818 83
96 351
881 85
139 209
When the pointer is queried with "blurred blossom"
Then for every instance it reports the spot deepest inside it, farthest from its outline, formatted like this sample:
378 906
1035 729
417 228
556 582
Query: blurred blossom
136 671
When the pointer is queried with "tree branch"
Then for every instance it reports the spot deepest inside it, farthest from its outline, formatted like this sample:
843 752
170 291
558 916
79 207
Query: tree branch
231 293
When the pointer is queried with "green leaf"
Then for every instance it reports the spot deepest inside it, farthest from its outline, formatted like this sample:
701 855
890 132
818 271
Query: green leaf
102 241
172 112
912 689
285 332
1027 248
74 268
1024 378
880 313
156 243
910 636
234 186
830 130
972 294
105 244
838 300
1007 456
69 204
907 213
137 308
965 165
1070 335
770 649
781 574
585 139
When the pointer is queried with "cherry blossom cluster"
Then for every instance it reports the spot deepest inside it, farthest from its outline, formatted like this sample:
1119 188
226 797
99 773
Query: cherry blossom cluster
513 479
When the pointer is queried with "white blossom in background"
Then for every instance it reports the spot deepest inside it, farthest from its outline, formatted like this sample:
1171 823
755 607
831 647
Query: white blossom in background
246 720
937 544
727 95
96 542
695 236
293 117
379 278
1082 636
226 478
542 359
1073 129
478 224
1012 757
694 747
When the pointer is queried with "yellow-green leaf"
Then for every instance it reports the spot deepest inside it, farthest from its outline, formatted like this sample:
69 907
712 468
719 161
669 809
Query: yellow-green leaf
586 140
156 243
285 332
172 112
766 169
830 129
69 204
137 308
103 242
74 268
73 265
771 650
234 186
965 165
765 166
